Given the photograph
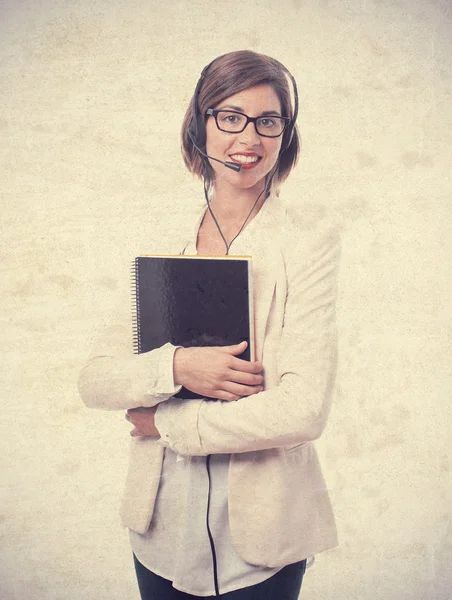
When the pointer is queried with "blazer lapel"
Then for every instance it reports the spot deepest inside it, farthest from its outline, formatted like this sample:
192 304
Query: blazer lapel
192 235
262 243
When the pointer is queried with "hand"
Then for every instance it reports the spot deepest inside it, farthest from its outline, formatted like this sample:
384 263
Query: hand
143 420
216 372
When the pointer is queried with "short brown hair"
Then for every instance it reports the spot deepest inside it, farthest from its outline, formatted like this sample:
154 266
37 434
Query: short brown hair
227 75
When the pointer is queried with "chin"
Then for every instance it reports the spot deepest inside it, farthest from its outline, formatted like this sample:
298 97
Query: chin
243 184
243 180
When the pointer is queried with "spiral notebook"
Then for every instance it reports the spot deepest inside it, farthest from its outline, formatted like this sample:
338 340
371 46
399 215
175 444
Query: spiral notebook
192 301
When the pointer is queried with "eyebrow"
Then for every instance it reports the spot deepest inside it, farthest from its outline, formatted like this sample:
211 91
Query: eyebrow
239 109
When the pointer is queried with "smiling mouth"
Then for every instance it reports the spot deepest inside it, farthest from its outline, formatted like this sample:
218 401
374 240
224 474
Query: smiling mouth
246 160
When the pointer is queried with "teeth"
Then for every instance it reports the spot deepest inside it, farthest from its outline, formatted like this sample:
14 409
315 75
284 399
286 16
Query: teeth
245 159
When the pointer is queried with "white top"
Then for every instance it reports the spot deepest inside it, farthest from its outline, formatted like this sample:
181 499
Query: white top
176 545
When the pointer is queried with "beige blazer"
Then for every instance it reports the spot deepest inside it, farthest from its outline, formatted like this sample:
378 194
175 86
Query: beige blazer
279 509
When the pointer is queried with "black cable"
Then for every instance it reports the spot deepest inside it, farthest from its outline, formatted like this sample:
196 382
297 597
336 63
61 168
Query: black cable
212 545
267 186
209 533
213 216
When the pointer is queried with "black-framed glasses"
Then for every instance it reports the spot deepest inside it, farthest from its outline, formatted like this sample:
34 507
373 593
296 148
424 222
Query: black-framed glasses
231 121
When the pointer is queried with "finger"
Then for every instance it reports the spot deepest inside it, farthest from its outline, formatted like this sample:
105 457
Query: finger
245 365
133 419
241 390
245 378
236 349
222 395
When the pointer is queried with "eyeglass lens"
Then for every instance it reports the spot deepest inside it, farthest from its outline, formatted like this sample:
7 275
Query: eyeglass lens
232 122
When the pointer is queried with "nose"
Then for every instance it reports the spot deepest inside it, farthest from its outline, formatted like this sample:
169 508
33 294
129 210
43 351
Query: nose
249 135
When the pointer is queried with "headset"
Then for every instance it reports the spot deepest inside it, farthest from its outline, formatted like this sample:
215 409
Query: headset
197 130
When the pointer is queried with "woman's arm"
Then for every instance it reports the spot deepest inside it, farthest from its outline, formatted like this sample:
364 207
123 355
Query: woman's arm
297 409
116 379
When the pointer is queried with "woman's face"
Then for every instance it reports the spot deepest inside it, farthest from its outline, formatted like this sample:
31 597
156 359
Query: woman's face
257 154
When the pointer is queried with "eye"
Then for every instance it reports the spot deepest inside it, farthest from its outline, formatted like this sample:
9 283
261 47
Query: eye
268 122
230 118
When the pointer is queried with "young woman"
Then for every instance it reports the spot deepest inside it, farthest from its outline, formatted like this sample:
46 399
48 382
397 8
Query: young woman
226 498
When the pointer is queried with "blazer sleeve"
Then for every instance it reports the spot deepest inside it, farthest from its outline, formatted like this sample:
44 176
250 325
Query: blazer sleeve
296 410
116 379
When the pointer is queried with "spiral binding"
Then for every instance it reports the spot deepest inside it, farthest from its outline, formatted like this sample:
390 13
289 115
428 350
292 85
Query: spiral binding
134 275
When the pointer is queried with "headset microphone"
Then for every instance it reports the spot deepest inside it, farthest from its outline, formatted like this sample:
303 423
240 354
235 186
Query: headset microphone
234 166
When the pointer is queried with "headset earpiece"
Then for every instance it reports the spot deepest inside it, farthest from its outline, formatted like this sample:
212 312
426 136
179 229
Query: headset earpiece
288 134
197 129
200 130
287 138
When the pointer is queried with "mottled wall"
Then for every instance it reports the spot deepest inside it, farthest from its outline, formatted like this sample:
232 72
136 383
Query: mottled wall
92 95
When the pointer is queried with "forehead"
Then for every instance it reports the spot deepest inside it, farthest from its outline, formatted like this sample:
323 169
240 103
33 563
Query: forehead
258 99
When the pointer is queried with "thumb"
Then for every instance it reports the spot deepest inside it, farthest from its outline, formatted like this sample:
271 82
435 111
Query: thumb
237 348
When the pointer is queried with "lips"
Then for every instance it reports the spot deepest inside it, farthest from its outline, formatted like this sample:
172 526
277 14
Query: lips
248 160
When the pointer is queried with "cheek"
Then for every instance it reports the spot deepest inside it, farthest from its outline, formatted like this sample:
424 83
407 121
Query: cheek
273 150
214 137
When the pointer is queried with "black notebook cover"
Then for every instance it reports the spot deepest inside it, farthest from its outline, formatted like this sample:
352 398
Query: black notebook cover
192 301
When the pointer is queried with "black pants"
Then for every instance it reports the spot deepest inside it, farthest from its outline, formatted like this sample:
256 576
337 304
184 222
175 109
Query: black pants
284 585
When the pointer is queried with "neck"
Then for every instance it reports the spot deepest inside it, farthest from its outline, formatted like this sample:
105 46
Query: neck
231 204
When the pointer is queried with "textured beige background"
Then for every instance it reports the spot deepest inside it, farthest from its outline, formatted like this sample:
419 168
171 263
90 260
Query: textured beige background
92 95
